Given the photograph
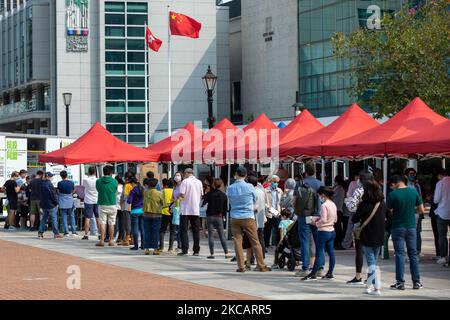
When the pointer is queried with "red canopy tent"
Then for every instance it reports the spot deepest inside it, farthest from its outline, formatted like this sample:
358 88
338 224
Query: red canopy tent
181 144
301 126
258 137
98 145
432 142
215 142
415 118
353 122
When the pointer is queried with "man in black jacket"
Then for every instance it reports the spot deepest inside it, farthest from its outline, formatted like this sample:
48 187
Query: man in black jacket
49 205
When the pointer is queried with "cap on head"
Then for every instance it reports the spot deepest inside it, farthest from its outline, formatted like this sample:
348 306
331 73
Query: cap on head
275 178
49 175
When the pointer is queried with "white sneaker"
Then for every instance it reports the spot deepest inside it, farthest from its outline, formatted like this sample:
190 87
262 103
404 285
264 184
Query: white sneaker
11 228
301 273
321 273
275 266
374 293
441 260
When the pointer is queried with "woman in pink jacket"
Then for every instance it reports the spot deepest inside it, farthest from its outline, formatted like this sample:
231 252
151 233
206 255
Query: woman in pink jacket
325 242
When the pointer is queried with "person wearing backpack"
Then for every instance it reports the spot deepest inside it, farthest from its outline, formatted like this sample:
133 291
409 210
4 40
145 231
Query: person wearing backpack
371 216
307 203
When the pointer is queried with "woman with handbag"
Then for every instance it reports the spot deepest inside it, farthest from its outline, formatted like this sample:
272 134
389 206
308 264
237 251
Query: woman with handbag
369 227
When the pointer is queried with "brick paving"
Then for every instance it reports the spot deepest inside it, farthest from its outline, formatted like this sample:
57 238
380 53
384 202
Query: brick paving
38 274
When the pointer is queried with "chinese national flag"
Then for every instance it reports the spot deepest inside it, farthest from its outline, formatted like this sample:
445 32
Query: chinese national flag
152 42
182 25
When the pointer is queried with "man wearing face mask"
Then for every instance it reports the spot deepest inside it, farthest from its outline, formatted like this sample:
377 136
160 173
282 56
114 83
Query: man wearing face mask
49 205
273 210
413 183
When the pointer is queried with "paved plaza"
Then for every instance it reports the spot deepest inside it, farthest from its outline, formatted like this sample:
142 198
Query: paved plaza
37 270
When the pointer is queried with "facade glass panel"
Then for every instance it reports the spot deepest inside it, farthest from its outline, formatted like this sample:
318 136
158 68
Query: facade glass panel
324 80
125 69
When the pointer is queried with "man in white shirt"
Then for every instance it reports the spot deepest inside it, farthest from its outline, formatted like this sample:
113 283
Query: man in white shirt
90 211
191 193
442 199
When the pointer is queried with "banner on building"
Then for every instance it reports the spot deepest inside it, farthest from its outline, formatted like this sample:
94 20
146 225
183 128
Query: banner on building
73 172
77 23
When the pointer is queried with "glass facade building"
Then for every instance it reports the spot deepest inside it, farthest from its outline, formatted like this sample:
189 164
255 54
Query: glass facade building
125 69
324 80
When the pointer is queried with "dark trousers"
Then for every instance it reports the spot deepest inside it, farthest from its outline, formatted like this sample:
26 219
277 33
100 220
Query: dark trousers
434 227
341 228
359 256
194 221
271 232
166 222
152 227
125 224
443 226
216 222
262 241
419 235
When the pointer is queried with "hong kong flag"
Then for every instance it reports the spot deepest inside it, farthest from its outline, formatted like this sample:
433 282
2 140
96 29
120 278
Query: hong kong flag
182 25
152 42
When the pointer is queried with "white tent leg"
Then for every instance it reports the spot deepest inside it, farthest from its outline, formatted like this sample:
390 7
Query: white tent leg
228 212
443 163
385 175
323 171
293 170
334 170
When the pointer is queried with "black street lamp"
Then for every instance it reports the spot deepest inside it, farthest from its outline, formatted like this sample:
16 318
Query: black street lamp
67 102
209 81
298 106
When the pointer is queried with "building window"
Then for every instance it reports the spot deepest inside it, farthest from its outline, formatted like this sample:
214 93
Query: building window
114 7
114 31
125 69
140 7
115 19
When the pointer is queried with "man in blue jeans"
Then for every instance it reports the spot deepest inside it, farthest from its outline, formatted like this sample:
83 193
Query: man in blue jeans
403 203
49 205
305 230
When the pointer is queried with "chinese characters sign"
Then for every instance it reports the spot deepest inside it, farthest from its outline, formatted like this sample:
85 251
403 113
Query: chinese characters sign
77 15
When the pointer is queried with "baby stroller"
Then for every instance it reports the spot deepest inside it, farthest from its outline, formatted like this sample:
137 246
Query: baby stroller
289 250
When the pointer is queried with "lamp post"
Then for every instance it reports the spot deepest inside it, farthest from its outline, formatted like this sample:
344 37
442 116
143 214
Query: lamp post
209 81
298 106
67 102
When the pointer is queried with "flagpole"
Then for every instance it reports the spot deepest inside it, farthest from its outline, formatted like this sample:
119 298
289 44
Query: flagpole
146 90
170 74
169 127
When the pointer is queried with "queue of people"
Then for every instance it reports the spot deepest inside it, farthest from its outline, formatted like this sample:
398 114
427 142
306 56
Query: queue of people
263 216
